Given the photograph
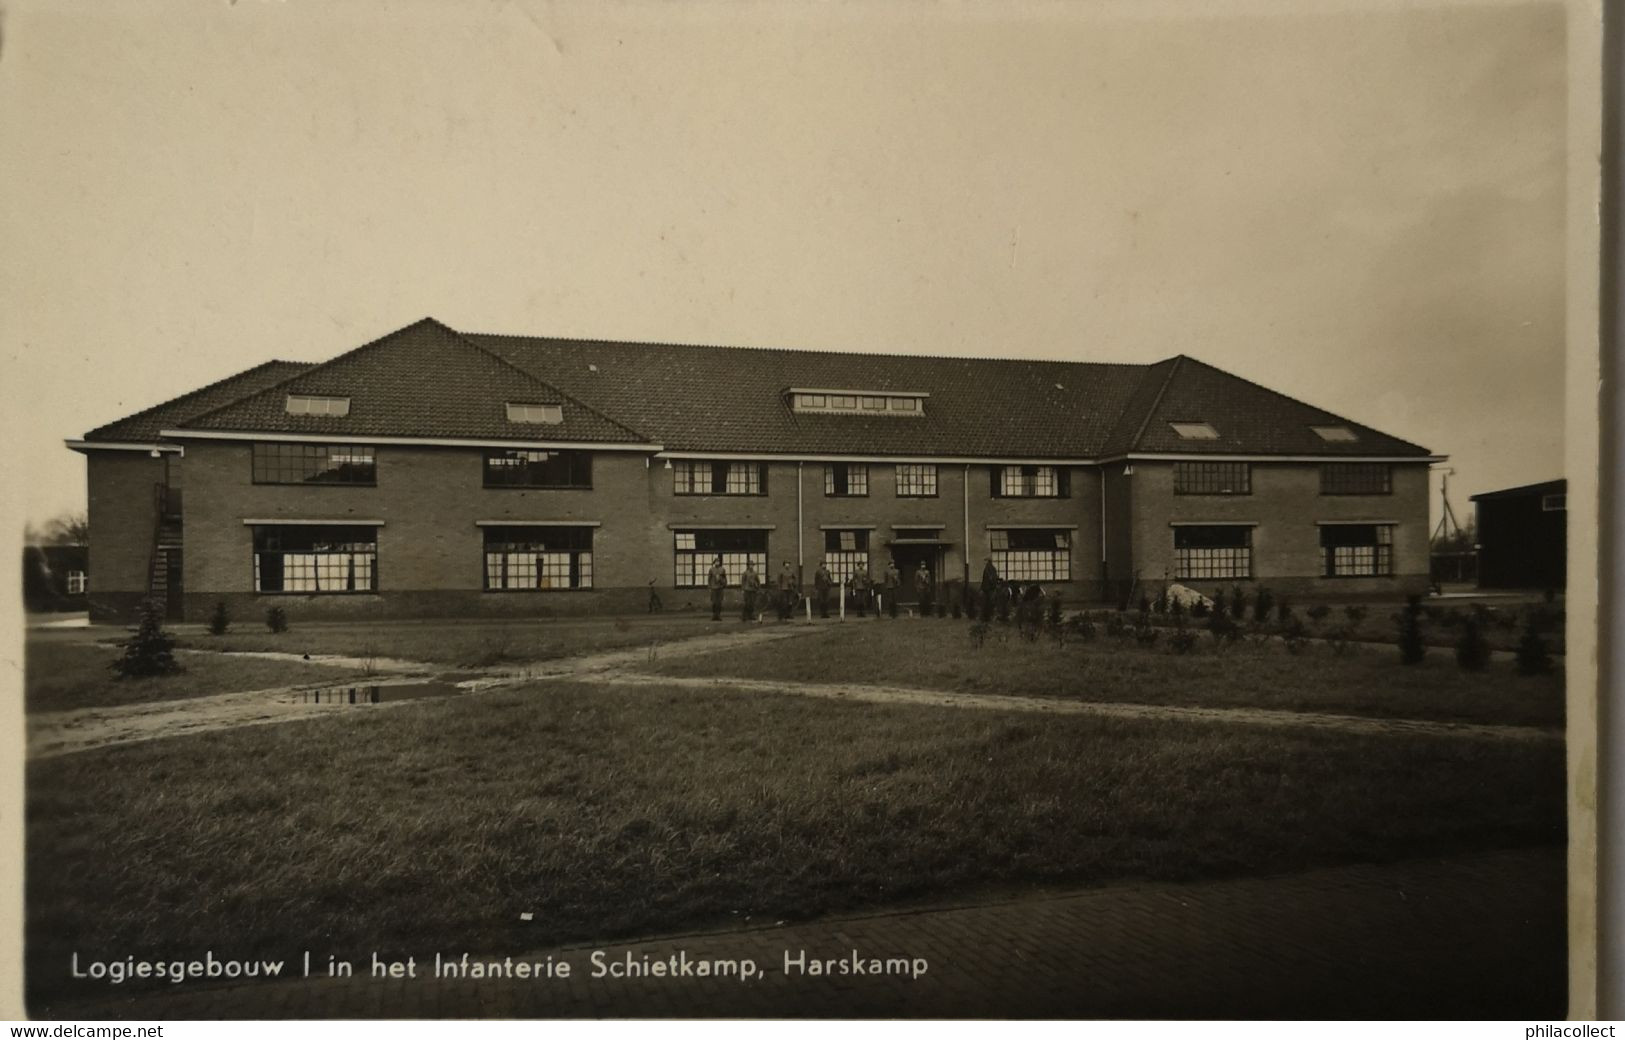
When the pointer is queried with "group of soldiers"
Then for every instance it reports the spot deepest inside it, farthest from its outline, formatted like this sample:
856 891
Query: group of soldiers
785 594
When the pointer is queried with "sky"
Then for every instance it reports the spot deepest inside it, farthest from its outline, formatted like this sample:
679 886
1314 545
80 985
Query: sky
1361 206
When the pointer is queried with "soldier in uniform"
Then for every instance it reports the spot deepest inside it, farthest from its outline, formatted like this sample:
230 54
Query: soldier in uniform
861 585
787 591
990 587
750 585
821 586
922 588
717 580
891 582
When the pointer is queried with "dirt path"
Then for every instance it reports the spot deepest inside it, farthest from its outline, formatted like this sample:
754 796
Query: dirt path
64 732
1056 706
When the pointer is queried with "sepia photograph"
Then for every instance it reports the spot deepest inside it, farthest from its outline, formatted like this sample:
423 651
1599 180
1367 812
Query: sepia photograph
557 510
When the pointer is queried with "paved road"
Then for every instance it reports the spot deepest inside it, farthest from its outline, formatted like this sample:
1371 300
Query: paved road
1467 937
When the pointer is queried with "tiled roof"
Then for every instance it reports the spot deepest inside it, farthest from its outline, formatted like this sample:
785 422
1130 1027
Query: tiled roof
427 380
731 399
1250 419
1545 487
143 426
422 381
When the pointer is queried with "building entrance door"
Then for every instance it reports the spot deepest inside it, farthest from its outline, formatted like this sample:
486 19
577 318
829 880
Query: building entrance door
909 557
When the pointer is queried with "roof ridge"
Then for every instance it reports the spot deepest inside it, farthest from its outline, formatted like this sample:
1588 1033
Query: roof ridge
179 398
315 367
825 352
1156 402
1302 403
533 377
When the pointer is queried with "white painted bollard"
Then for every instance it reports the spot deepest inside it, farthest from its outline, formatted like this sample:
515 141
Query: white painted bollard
843 601
809 607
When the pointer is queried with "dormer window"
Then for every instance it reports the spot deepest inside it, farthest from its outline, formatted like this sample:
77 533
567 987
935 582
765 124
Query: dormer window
1335 434
855 402
550 414
318 404
1195 431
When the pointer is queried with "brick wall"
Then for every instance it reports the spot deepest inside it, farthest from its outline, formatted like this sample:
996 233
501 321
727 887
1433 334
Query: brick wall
122 511
1285 503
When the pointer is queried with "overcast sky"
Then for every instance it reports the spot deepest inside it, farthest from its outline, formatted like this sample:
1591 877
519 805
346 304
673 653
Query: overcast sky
1361 208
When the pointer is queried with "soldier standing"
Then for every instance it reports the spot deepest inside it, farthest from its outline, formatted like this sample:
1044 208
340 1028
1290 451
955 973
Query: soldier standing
891 582
990 587
861 584
750 585
922 588
821 585
787 591
717 580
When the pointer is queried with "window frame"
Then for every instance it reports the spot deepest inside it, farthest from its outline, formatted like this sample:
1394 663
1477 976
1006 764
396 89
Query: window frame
1344 487
1218 567
698 572
334 405
312 532
1028 481
268 458
534 413
79 578
832 487
576 456
578 566
1381 546
1190 476
721 476
843 563
1035 562
923 470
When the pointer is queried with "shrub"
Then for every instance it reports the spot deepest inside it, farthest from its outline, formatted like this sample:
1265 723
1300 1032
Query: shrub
1318 613
276 619
1223 628
1145 605
1117 624
1534 656
1146 635
978 634
1176 608
1238 603
151 650
1200 609
1054 612
1220 607
1081 626
1472 652
1262 604
1355 613
942 610
1003 610
1283 611
958 610
1160 605
1341 639
219 620
1296 635
1183 640
1411 648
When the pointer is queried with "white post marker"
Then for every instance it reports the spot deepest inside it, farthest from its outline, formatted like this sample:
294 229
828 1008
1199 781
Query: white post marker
809 608
843 599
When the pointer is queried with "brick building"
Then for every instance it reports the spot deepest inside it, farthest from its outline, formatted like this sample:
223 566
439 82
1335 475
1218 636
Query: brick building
436 472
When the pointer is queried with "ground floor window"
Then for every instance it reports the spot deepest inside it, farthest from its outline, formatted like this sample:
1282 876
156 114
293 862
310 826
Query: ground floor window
315 558
538 558
1031 554
846 553
695 551
1357 550
1220 551
78 582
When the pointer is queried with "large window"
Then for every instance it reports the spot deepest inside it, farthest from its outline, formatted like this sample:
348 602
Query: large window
1357 550
315 558
1213 478
916 480
522 468
846 480
1356 478
690 477
1031 554
532 558
1219 551
1031 482
846 553
283 463
695 551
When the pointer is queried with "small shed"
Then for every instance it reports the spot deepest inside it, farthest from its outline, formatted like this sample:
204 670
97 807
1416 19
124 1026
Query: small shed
1523 536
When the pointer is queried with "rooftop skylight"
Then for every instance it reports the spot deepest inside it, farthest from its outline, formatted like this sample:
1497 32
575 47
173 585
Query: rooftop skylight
1335 434
1195 431
317 404
551 414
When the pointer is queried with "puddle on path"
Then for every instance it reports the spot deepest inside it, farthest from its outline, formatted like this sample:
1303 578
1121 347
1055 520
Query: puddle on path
376 693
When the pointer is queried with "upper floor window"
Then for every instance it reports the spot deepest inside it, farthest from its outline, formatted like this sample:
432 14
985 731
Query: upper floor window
1335 434
1031 482
524 468
279 462
916 480
317 404
846 480
552 414
1195 431
857 402
1213 478
1356 478
316 558
699 477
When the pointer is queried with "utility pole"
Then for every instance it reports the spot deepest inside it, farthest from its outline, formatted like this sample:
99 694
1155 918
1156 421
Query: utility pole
1447 516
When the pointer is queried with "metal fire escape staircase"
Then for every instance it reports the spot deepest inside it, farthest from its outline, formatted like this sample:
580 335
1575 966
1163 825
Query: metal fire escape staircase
166 547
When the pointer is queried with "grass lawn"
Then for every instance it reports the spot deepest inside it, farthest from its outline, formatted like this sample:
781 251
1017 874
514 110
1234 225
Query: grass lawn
459 643
609 812
937 653
61 675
